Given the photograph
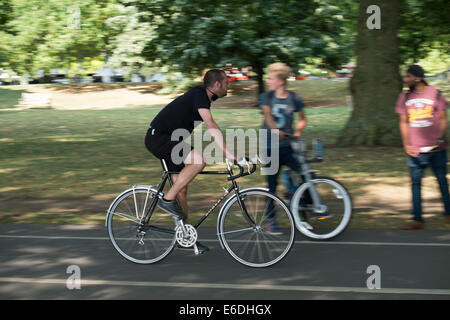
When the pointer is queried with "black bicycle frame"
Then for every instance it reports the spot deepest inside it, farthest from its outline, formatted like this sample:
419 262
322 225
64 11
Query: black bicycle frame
167 176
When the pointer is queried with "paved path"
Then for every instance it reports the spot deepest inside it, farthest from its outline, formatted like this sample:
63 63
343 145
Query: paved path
35 258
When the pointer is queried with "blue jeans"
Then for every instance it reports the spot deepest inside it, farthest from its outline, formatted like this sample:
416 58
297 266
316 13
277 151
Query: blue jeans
286 156
438 163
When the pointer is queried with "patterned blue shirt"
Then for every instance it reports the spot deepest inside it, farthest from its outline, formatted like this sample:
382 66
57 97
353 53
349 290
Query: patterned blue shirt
283 110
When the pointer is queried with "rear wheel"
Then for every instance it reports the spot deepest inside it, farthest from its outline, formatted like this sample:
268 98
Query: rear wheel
135 241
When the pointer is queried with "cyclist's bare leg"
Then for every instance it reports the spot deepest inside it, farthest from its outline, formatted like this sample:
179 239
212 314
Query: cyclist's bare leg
182 197
194 164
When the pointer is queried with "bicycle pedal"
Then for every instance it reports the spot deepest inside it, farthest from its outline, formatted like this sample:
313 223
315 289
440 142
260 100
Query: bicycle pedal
322 218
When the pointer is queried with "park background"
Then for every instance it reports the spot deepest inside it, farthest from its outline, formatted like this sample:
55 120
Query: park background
64 161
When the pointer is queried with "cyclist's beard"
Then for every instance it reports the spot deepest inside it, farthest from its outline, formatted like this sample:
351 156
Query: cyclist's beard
223 94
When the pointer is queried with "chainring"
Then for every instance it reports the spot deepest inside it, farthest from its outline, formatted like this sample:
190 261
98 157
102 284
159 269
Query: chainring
191 235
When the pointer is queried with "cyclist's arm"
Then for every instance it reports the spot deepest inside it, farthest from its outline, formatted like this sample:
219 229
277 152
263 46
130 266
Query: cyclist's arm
215 132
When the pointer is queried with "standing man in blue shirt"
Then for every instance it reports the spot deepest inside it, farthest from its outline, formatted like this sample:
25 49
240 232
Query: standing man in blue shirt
278 107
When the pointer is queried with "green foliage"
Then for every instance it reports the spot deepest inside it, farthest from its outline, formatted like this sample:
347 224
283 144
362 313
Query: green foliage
201 34
5 12
48 34
173 84
190 36
425 26
436 62
132 35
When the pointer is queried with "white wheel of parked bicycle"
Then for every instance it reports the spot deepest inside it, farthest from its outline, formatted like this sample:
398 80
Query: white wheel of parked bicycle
330 217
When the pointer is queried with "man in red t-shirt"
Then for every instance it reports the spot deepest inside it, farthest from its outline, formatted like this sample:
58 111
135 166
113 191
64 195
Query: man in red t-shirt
423 126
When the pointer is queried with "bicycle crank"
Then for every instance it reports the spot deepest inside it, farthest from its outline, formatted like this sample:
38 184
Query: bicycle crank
186 235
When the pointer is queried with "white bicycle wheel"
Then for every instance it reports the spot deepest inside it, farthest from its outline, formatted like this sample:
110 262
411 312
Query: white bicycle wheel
136 242
336 205
253 242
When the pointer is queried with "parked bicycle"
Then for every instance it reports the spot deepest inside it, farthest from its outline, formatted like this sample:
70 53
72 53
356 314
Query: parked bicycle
321 206
144 234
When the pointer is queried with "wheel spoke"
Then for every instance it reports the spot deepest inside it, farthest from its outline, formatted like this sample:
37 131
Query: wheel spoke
126 217
234 231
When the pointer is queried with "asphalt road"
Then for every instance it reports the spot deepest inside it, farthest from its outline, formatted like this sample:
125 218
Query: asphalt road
34 264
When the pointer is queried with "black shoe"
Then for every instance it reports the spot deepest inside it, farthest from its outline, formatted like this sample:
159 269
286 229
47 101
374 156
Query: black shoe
201 248
172 207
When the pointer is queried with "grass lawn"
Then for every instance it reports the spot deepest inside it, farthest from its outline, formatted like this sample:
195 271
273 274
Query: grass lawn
9 96
66 166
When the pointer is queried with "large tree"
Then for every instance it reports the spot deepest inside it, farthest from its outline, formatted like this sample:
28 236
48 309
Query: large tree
376 81
194 35
409 30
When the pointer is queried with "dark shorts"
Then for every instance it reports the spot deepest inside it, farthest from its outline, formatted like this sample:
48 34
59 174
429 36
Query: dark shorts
161 146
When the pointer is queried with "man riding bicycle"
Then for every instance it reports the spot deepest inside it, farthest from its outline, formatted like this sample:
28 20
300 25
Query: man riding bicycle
184 113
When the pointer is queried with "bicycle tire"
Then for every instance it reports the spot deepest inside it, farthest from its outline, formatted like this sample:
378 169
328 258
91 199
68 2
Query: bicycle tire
123 221
323 230
246 243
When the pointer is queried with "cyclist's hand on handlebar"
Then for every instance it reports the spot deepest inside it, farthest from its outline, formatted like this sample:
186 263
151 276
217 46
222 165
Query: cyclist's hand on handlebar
242 162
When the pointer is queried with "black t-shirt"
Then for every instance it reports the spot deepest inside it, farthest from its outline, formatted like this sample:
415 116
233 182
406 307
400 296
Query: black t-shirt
182 112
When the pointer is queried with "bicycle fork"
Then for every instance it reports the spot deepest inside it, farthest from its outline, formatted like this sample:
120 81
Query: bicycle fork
318 207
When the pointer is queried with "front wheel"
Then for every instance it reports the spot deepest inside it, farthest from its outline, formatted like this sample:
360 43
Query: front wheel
258 230
327 218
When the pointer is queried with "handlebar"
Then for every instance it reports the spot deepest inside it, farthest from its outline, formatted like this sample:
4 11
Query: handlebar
300 149
245 162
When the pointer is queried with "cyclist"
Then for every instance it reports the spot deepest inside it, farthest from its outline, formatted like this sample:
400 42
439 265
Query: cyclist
278 107
184 113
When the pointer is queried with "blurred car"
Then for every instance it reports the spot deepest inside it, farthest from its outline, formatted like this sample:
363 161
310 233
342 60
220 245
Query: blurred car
155 78
236 77
61 81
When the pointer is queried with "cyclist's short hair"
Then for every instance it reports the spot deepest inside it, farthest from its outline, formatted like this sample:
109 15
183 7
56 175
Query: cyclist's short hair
212 76
280 70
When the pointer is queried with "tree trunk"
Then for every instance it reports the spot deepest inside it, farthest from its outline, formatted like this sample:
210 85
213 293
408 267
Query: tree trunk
376 82
259 69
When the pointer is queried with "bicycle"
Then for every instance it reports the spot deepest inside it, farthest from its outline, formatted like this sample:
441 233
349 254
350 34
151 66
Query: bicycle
144 234
321 206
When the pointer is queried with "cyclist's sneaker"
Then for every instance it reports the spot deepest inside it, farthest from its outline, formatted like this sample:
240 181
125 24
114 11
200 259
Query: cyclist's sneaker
321 216
272 227
172 207
201 248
